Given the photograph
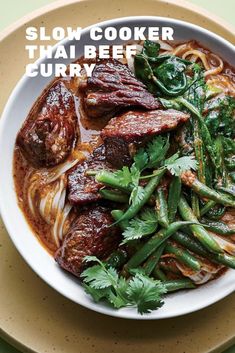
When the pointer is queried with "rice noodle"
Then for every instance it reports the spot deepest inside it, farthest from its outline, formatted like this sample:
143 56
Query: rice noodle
225 244
164 45
197 55
30 197
46 202
181 49
215 70
222 82
56 172
32 179
58 200
199 277
58 227
47 196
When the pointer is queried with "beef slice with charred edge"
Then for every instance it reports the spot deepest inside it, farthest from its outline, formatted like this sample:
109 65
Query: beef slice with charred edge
124 133
90 234
113 87
82 188
49 132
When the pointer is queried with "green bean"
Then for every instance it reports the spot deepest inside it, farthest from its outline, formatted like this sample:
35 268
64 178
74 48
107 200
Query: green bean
108 178
217 227
230 163
204 191
198 148
158 273
190 243
225 259
232 176
173 198
209 205
161 208
117 258
153 243
195 205
216 212
135 207
195 246
209 145
199 232
177 284
114 195
183 256
220 160
153 260
117 215
229 191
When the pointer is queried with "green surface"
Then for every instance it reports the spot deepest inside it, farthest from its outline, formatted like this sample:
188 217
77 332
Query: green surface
223 8
230 350
6 348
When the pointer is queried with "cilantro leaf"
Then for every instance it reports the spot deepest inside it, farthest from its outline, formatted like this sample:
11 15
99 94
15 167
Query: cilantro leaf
103 283
146 293
141 226
177 166
124 176
149 215
141 159
152 154
136 194
97 295
156 150
98 276
127 176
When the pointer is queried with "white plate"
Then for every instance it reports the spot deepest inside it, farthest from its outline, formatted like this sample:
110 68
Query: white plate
22 98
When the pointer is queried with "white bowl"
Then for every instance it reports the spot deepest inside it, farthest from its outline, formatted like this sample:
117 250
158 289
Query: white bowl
23 96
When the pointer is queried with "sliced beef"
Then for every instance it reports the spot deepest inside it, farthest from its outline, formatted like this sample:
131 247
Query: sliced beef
123 133
49 132
82 188
112 87
90 234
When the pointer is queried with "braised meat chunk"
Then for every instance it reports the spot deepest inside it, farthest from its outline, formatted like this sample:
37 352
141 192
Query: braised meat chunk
50 130
124 132
83 188
90 234
112 87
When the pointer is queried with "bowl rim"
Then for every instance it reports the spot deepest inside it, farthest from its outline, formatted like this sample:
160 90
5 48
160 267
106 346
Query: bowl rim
4 209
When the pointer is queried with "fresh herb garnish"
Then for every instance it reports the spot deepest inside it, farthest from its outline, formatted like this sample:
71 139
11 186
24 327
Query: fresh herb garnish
140 291
141 226
177 166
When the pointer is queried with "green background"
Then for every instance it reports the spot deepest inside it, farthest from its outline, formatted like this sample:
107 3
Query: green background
223 8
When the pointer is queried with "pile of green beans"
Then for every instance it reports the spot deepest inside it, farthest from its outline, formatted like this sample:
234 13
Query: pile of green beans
186 247
187 210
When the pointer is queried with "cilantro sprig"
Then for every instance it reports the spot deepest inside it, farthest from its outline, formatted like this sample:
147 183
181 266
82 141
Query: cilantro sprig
140 291
153 154
141 226
128 179
177 165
